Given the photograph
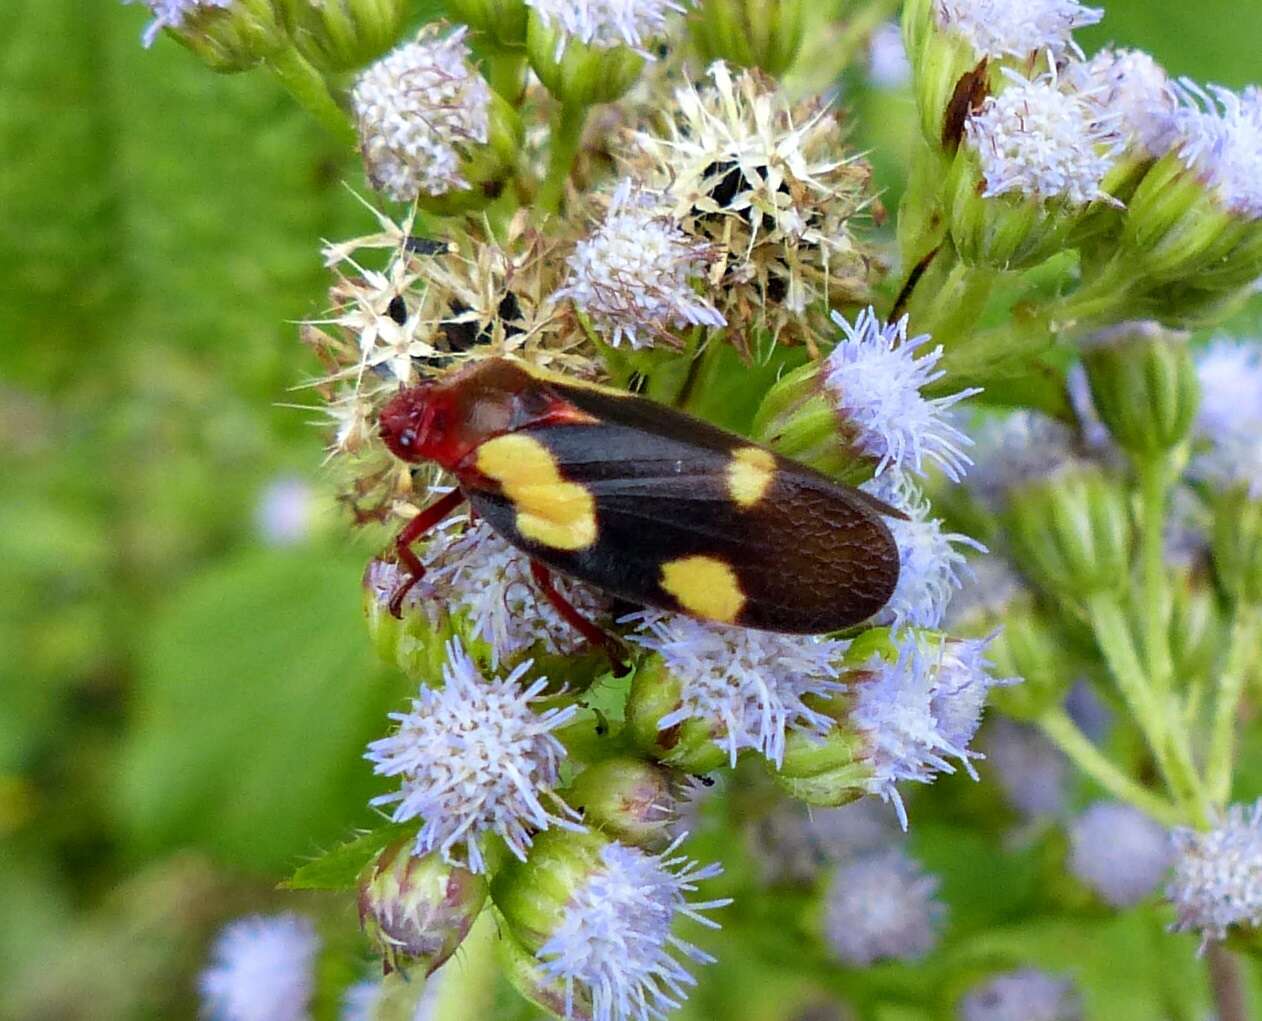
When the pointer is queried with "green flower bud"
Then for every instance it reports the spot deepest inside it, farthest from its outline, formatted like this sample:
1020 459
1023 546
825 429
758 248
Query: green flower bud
231 37
827 771
527 976
1177 226
1144 385
629 799
1026 647
501 22
578 74
533 895
414 643
949 75
341 35
799 419
417 911
691 746
1196 627
1072 532
1237 546
1006 232
751 33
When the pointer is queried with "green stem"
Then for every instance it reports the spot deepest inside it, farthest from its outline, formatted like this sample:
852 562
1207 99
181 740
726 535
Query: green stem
466 983
567 136
1173 758
1153 476
1218 766
1067 736
506 74
309 88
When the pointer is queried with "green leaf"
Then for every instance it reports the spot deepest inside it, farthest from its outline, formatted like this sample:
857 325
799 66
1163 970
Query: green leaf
339 868
256 697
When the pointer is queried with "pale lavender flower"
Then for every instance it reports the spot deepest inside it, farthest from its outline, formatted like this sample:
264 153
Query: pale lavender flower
285 511
359 1001
919 711
1017 28
613 944
633 275
793 842
748 685
1218 134
419 108
1217 880
262 969
1026 994
474 757
1037 140
173 13
477 575
1019 448
931 563
1031 771
1229 418
888 66
1095 434
882 907
1135 89
875 376
605 24
1119 852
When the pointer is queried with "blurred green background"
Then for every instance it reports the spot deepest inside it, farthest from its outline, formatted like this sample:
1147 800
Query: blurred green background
185 695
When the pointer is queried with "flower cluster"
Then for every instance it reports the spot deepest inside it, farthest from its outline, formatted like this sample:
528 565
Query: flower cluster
680 327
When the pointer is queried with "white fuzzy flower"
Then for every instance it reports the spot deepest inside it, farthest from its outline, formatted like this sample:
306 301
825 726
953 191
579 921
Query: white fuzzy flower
875 376
418 109
1027 994
605 24
285 512
1031 771
747 685
614 945
1017 449
354 419
919 710
476 574
1135 89
1119 852
792 843
1017 28
173 13
359 1001
930 563
888 66
1217 880
882 907
634 274
1218 134
474 757
262 969
1040 141
1229 418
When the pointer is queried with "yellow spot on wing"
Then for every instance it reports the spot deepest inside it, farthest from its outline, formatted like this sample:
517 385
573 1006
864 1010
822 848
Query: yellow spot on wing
749 475
550 510
704 586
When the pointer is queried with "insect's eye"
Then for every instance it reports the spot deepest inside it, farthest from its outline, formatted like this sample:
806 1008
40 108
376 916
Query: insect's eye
407 438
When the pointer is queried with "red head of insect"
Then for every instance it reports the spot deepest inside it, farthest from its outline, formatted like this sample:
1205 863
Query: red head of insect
412 421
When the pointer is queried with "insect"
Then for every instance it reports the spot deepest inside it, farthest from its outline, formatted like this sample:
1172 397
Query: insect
642 501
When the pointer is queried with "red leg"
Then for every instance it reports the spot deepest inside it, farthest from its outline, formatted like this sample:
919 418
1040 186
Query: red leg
614 649
412 531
